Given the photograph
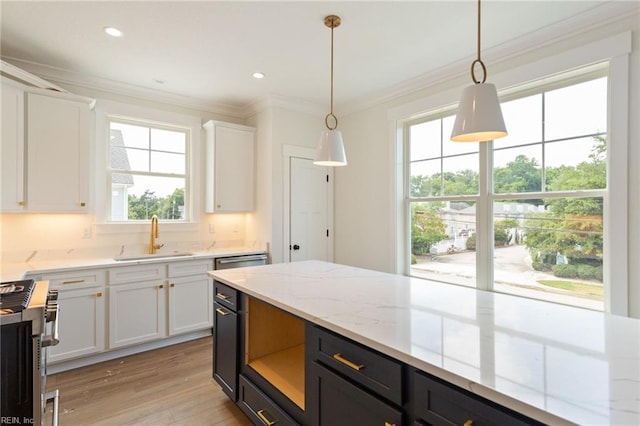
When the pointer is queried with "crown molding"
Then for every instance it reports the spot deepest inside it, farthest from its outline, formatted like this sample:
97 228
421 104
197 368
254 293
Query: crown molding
63 76
600 16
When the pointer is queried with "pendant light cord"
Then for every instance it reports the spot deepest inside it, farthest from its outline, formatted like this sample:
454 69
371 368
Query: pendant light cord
332 24
478 60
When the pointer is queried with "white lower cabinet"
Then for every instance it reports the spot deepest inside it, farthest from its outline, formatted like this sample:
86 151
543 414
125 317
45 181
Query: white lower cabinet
190 296
150 302
81 316
80 323
123 306
137 313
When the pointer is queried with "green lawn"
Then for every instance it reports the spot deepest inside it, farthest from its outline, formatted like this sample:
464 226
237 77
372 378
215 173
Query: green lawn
584 288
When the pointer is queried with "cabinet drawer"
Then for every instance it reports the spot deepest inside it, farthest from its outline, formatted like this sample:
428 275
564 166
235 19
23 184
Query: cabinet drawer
371 369
436 402
131 274
258 407
74 279
225 295
192 267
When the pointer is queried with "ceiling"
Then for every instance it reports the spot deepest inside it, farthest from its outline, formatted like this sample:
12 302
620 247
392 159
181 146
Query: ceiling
205 52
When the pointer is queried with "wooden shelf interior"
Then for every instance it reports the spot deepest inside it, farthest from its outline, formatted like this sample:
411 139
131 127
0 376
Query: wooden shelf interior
282 370
275 348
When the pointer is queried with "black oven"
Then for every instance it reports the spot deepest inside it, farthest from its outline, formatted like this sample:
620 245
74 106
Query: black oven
26 307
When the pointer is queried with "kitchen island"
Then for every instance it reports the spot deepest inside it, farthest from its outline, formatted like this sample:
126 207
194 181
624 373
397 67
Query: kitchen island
551 363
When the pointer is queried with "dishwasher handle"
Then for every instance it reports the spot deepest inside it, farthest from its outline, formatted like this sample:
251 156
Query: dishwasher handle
236 259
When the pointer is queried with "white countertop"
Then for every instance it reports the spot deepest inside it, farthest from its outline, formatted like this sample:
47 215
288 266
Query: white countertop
554 363
17 270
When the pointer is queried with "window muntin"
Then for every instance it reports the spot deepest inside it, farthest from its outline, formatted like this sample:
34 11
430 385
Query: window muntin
155 159
552 174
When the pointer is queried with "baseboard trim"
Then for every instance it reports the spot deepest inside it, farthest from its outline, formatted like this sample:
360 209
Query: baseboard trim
59 367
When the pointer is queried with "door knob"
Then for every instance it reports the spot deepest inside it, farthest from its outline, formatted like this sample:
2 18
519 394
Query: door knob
296 247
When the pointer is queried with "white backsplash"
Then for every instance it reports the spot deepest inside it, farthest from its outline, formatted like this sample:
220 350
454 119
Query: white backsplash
49 237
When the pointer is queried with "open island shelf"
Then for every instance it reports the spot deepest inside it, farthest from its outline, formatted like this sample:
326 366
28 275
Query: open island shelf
274 348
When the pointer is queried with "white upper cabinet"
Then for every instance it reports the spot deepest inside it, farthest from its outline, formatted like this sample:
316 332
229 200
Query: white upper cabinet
57 141
12 151
44 156
230 167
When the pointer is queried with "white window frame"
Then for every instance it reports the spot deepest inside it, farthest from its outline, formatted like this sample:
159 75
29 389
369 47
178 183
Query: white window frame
615 51
187 154
134 113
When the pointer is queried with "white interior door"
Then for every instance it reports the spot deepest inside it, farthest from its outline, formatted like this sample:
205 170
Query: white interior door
309 232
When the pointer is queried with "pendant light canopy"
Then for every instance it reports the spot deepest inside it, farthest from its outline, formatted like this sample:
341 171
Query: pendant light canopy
330 150
479 116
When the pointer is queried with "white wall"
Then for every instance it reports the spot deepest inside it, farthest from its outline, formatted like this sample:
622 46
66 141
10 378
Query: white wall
278 126
363 193
366 202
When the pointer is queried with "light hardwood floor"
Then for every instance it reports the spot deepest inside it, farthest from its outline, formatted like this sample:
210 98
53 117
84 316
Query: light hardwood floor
168 386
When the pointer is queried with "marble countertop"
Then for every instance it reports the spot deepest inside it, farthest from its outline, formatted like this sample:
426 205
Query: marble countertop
17 270
554 363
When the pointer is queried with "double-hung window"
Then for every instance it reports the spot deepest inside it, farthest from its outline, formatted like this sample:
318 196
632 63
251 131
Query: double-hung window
147 170
523 214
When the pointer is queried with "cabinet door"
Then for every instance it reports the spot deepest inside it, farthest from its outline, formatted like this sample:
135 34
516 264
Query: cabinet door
439 403
190 306
57 140
137 313
230 168
12 152
225 350
81 323
335 401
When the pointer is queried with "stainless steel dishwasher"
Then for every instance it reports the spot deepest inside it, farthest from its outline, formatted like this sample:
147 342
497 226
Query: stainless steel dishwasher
240 261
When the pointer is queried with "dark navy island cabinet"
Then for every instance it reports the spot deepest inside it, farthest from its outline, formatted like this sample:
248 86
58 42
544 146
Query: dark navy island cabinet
282 370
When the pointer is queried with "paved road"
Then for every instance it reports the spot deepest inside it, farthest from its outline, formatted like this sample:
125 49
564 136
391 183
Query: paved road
512 274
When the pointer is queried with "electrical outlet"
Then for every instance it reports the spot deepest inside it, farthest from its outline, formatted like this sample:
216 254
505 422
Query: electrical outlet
86 232
212 228
236 228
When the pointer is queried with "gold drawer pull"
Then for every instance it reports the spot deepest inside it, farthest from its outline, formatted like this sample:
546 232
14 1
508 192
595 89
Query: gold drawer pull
161 286
99 294
172 285
222 312
264 418
72 282
83 204
21 203
389 424
468 423
222 296
338 357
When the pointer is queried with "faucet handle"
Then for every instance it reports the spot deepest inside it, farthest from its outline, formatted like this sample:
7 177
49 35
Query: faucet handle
157 246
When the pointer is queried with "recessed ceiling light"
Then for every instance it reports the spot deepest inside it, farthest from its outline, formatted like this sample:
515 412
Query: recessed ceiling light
113 32
258 75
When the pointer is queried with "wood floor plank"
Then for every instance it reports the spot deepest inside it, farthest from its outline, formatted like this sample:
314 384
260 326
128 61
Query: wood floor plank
167 386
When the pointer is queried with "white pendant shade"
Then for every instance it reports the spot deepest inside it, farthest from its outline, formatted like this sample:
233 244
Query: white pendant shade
479 115
330 149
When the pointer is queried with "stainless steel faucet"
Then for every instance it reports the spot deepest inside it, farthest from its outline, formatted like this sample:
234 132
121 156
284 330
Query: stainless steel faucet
154 234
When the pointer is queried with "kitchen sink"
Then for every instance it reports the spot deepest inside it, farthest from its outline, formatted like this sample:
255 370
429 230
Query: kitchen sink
152 256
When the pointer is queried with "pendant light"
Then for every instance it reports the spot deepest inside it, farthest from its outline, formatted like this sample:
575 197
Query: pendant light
479 116
330 150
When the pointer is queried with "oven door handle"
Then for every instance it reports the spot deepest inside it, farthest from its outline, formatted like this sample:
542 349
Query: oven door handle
55 396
